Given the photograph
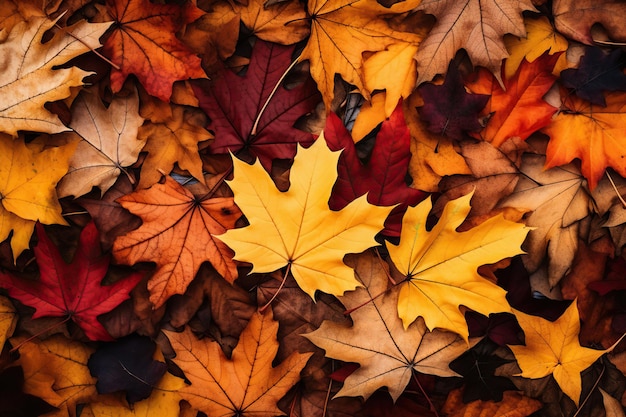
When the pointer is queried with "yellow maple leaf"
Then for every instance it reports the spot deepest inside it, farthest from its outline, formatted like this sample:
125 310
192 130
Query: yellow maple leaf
171 137
540 37
440 265
55 370
27 77
341 31
28 177
246 384
552 347
296 227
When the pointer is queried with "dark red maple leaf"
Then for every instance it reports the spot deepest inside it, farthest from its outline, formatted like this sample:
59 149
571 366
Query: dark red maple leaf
233 103
449 109
383 178
597 72
71 290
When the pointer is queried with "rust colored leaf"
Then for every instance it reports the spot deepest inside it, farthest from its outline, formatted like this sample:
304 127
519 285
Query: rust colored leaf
178 235
143 42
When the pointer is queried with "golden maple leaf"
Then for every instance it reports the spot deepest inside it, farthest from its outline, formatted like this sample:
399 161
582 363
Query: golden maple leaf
440 265
341 31
296 227
28 79
540 37
390 357
55 370
553 348
8 319
246 384
28 177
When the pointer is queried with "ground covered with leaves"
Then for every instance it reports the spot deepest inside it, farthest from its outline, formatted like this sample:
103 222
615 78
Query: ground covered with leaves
324 208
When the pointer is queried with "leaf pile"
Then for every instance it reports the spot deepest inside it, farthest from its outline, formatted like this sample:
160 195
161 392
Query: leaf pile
312 208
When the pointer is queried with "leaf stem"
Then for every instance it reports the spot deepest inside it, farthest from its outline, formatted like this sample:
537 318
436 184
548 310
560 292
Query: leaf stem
580 407
36 335
282 284
267 102
430 403
98 54
621 199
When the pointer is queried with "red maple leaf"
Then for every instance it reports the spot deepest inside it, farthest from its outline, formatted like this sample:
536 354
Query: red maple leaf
72 290
383 178
233 103
143 42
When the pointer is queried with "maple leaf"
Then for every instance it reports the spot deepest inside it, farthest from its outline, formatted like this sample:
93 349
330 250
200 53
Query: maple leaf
13 401
178 235
552 348
341 31
73 290
109 143
244 384
171 137
29 77
313 239
574 19
236 106
449 109
55 370
282 22
590 133
389 359
28 176
495 173
540 38
426 258
518 110
558 201
143 43
127 365
383 178
597 72
474 25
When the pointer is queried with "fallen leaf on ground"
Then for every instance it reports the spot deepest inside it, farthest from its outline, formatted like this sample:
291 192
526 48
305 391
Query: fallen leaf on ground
313 238
143 42
425 258
178 234
390 358
30 79
474 25
71 290
108 142
245 384
514 404
552 348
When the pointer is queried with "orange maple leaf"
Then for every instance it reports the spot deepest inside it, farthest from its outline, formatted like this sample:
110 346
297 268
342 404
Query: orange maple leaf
177 234
591 133
144 43
519 110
